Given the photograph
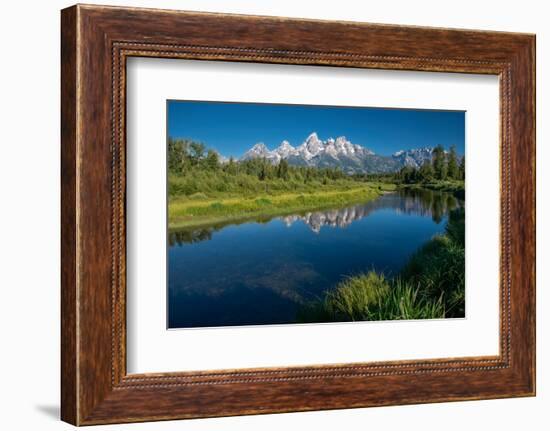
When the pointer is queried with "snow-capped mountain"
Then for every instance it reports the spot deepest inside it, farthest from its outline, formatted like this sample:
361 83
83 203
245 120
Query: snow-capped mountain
315 147
415 157
285 150
260 151
339 152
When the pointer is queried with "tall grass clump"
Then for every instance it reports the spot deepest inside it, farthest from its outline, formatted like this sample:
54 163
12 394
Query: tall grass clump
430 286
439 266
372 296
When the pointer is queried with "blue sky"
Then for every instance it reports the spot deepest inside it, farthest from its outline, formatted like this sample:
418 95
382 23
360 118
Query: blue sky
232 128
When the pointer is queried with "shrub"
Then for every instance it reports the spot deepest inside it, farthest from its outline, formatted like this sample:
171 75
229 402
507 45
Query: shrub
438 268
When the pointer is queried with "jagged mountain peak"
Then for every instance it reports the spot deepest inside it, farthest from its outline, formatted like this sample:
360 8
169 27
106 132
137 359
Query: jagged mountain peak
285 150
414 157
260 146
259 151
340 153
312 137
285 145
312 146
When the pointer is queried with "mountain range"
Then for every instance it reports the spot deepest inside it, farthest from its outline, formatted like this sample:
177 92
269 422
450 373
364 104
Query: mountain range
339 153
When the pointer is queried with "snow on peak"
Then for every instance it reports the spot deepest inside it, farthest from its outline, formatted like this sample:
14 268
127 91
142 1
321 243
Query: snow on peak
312 137
285 149
258 151
260 146
414 157
311 147
313 151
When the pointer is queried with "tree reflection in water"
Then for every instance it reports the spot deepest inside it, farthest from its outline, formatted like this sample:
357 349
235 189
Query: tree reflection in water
421 202
180 237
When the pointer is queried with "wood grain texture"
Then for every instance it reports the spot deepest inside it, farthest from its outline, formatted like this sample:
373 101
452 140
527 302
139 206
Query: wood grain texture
69 366
96 41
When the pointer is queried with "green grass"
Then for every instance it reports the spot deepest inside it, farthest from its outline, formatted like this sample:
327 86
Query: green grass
439 266
202 197
223 184
371 296
196 211
431 285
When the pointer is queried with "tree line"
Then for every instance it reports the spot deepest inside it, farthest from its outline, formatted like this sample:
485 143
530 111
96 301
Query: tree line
187 156
441 167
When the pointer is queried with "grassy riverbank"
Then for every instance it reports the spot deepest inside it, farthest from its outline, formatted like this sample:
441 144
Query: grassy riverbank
431 285
207 193
200 210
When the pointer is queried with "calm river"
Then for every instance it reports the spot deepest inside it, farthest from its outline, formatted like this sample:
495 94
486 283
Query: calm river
261 272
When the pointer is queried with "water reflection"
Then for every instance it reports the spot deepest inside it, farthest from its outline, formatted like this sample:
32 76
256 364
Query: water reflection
260 271
420 202
426 203
190 236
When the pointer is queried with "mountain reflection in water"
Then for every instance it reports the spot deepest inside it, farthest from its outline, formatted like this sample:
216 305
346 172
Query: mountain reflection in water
425 203
259 271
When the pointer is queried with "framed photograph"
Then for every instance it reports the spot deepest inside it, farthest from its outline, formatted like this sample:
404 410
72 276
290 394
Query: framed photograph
264 215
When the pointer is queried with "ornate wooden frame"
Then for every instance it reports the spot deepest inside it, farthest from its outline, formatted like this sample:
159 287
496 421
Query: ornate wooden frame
95 43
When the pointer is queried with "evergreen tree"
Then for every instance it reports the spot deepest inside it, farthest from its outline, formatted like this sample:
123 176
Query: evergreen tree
212 160
426 172
282 169
408 175
452 164
231 167
308 175
462 168
439 163
262 174
197 152
176 155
